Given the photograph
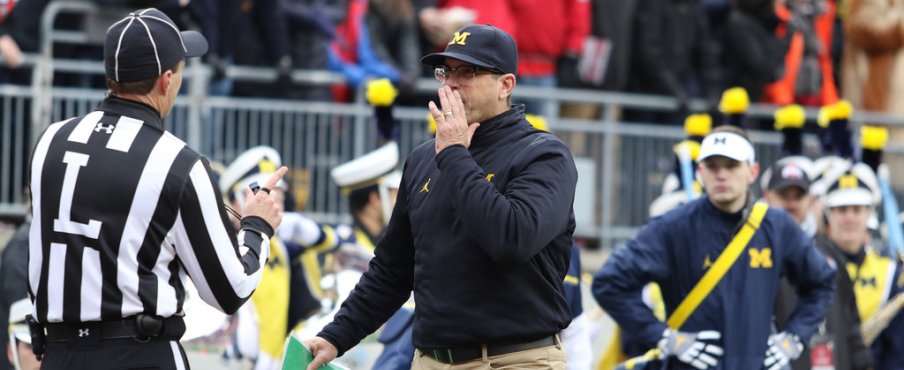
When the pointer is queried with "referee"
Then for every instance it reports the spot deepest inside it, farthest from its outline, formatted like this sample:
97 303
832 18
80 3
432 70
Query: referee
124 212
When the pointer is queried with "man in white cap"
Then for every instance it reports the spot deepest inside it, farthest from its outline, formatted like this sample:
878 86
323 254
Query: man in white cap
788 188
718 298
263 323
371 183
19 348
289 291
876 279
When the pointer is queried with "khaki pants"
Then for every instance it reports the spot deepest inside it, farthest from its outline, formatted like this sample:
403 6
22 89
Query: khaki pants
551 357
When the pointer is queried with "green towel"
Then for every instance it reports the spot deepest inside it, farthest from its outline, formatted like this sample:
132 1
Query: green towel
297 357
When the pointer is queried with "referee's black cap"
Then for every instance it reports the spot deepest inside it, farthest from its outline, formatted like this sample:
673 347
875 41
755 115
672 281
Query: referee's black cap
482 45
145 44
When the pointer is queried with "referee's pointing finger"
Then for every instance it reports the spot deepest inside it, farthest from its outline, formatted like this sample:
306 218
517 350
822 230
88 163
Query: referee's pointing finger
278 175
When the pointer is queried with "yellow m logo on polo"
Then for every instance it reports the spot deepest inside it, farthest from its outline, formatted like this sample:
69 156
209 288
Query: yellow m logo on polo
847 182
490 177
760 258
459 38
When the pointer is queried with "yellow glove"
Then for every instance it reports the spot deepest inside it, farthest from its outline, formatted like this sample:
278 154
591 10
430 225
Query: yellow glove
840 110
698 124
873 137
734 101
790 116
381 92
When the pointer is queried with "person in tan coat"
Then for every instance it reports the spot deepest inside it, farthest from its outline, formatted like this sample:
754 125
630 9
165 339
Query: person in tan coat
873 62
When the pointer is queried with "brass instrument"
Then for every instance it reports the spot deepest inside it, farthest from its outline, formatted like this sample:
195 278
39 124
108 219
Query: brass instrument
876 324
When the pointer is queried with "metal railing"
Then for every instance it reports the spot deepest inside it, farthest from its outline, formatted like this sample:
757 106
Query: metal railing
626 163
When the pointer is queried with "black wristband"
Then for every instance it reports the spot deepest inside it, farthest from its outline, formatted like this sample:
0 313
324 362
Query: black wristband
258 224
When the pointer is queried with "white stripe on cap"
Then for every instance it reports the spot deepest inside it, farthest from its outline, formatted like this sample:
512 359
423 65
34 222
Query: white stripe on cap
153 44
118 48
171 26
118 22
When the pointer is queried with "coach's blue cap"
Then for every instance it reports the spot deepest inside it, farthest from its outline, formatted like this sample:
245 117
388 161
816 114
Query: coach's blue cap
482 45
145 44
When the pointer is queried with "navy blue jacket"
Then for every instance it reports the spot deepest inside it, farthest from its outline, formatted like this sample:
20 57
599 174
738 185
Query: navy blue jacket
482 235
674 251
398 351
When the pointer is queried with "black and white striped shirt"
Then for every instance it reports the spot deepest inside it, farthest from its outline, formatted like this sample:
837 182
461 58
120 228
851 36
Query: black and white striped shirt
123 210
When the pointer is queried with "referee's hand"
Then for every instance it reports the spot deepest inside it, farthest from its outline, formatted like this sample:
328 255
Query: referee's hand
323 352
261 204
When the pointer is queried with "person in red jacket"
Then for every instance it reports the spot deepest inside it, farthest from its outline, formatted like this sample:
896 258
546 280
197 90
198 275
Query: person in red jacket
565 25
808 78
439 18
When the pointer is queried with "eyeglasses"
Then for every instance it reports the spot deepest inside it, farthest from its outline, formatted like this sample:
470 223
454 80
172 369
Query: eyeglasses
462 74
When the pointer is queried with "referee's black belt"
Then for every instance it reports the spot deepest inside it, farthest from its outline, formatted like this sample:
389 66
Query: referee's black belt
170 328
457 355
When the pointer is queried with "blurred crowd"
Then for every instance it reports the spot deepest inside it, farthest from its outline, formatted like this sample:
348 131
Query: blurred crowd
808 52
360 39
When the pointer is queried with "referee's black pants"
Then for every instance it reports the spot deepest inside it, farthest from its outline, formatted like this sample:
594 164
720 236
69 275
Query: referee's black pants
115 354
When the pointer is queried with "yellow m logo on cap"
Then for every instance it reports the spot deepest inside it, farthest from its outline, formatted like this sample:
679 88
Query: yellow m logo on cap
760 258
460 38
847 182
